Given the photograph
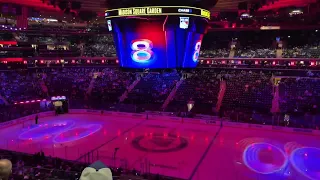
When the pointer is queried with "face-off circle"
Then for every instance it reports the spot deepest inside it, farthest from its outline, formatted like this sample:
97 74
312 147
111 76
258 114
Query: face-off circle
159 143
307 162
264 158
45 131
77 133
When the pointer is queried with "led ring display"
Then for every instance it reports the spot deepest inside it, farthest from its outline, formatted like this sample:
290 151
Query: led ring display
307 162
264 158
77 133
141 50
45 131
196 52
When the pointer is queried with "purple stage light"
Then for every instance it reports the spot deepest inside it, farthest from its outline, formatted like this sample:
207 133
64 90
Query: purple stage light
45 131
264 158
307 162
77 133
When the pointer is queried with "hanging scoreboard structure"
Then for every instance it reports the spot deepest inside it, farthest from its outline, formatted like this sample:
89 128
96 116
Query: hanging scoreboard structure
158 36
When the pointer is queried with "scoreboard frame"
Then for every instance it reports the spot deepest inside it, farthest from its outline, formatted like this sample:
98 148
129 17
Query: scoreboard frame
157 11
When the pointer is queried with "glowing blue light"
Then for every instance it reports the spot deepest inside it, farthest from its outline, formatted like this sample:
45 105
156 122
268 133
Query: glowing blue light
77 133
307 162
196 53
44 131
141 56
252 161
141 50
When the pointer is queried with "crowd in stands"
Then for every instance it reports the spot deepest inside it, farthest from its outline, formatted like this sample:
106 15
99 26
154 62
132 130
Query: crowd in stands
216 53
100 46
248 98
152 90
202 87
299 94
255 53
248 89
18 86
108 86
249 44
38 166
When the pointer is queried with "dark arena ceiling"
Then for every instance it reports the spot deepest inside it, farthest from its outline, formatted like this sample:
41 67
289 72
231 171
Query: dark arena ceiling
215 6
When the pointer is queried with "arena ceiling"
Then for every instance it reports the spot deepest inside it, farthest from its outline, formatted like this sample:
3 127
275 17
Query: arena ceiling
100 5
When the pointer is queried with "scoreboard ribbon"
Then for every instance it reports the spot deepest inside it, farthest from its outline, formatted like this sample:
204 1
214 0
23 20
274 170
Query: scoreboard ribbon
157 11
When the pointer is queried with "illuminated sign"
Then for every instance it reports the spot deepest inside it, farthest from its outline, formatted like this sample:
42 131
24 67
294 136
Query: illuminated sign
184 22
139 11
109 25
56 98
157 11
141 50
269 27
185 10
205 13
196 52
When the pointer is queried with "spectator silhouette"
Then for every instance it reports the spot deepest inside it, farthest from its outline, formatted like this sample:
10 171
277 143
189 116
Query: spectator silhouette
5 169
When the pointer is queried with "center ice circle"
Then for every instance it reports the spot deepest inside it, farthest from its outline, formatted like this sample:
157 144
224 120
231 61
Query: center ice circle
307 162
45 131
159 143
77 133
264 158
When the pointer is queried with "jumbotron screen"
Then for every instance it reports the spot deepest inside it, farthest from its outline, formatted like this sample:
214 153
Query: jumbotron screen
161 42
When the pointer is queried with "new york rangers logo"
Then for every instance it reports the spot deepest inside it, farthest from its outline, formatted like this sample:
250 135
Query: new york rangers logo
184 22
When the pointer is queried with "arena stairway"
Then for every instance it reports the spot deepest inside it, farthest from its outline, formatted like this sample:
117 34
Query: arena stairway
223 87
4 100
91 85
172 94
275 101
43 86
125 94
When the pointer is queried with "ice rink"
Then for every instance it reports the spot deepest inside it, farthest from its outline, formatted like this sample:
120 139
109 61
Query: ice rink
182 150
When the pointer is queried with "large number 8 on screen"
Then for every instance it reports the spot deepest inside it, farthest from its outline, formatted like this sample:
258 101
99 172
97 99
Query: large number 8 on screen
141 50
196 52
